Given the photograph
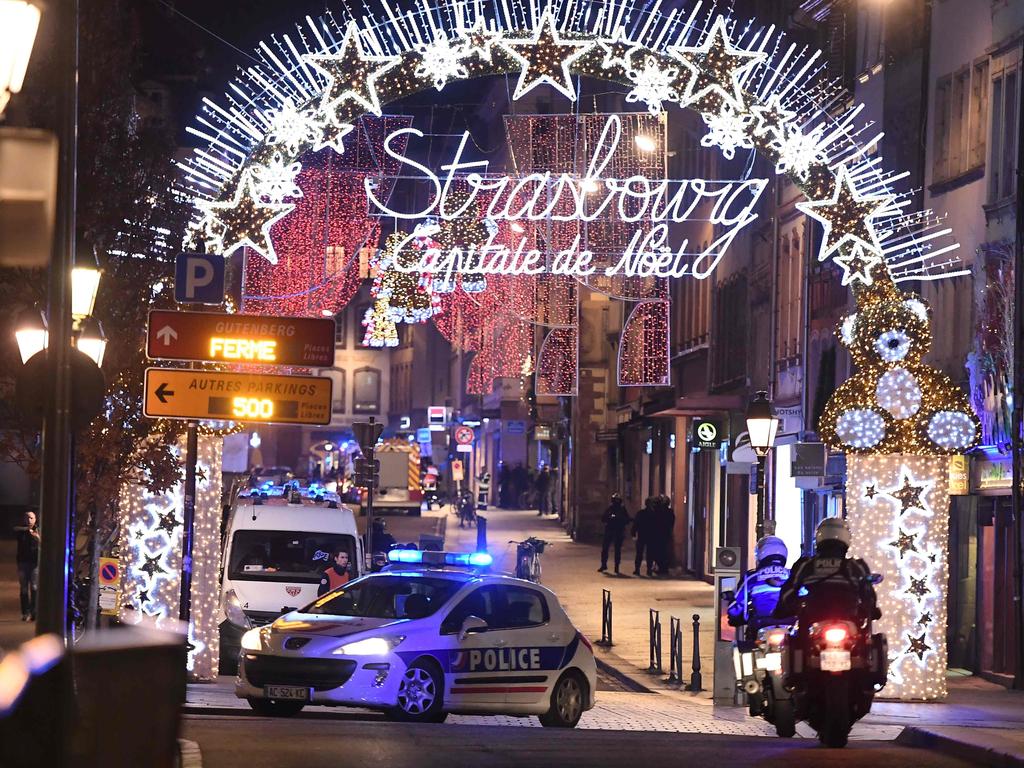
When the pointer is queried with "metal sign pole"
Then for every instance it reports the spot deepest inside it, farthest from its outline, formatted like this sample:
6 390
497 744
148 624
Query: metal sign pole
369 499
188 519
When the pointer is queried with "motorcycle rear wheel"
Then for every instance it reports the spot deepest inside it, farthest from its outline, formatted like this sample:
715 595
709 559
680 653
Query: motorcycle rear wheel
835 728
783 716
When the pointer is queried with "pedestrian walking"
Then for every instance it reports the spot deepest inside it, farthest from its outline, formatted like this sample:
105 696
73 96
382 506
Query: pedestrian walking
616 518
665 521
27 560
337 573
483 488
543 484
643 532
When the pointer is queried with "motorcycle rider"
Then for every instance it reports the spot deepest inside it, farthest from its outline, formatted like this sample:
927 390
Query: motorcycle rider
818 581
755 601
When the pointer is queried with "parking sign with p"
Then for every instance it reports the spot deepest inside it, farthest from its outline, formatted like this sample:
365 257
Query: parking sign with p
199 278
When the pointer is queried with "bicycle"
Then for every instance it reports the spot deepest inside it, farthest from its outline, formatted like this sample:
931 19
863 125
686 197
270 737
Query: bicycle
528 554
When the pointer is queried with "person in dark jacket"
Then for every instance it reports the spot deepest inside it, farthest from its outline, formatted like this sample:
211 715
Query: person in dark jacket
27 560
543 486
644 533
505 493
665 522
337 573
616 519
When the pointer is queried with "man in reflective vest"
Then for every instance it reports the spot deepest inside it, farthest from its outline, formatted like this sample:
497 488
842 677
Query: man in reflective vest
336 574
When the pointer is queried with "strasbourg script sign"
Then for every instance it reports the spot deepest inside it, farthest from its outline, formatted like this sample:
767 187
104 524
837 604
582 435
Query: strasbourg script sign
650 206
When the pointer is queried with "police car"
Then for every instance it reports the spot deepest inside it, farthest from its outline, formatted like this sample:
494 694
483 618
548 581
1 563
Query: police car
432 633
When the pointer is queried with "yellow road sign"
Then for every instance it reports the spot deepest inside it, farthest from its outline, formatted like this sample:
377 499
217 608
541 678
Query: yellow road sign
252 397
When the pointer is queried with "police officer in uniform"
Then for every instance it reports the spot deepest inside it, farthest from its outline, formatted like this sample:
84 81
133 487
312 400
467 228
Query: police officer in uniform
758 596
337 573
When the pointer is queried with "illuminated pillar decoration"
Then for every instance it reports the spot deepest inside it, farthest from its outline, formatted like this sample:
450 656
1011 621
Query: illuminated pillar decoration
558 363
898 511
151 528
644 347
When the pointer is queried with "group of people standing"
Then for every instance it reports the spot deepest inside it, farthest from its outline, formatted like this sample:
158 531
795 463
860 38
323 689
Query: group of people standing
519 487
652 529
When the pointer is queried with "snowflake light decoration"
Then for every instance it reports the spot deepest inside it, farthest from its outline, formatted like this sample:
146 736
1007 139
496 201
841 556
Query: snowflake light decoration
441 62
291 127
276 180
653 85
799 151
728 130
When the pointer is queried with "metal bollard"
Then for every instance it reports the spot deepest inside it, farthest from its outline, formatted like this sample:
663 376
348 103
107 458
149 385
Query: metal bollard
606 618
654 641
695 678
675 652
481 533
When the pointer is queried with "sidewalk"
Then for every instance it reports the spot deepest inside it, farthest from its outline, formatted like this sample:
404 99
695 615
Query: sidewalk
13 631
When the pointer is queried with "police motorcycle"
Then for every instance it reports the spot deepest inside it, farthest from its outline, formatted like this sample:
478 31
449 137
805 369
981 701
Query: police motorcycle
832 661
757 650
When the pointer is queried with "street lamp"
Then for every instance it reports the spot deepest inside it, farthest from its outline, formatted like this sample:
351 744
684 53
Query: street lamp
31 333
91 340
85 283
762 424
19 22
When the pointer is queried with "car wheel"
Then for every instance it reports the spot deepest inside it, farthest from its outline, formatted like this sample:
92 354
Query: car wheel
275 708
567 700
420 695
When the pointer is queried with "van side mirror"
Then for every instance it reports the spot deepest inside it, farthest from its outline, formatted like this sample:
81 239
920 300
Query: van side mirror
470 625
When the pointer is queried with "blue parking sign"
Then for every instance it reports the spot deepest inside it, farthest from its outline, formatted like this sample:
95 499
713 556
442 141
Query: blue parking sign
199 278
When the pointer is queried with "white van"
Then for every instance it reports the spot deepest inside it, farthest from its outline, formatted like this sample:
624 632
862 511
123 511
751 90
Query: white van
278 542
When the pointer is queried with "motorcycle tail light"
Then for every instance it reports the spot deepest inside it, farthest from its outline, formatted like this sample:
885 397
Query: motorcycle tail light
776 637
835 635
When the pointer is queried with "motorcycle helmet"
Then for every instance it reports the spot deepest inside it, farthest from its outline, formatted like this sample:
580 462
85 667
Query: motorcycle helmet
616 497
832 529
771 546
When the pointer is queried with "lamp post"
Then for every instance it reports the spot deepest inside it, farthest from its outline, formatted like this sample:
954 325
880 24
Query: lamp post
762 425
19 22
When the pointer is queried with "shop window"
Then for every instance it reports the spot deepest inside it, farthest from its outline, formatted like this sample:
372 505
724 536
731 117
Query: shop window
1004 127
337 377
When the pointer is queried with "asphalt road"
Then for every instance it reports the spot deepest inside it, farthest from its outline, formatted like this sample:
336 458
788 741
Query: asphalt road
251 742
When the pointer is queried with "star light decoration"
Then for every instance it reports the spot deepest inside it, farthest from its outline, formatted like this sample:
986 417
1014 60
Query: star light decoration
546 59
716 66
617 51
351 74
244 220
895 528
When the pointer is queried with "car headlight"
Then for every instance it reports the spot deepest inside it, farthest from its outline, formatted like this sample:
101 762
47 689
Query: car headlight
233 610
253 639
370 646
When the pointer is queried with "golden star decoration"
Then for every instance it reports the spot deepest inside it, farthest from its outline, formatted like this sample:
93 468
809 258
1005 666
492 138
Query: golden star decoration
716 66
857 264
351 73
617 50
771 117
918 646
846 216
480 39
546 59
904 543
245 220
918 588
332 134
909 496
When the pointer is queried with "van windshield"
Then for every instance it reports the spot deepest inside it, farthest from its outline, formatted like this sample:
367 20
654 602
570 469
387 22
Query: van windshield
286 555
387 597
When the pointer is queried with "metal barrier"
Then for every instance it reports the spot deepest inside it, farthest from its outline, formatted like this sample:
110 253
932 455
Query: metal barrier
695 677
606 618
675 652
654 641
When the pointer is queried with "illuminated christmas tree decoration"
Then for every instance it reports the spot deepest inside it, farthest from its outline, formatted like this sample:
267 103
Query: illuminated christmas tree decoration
275 181
728 130
546 59
244 221
150 546
351 74
717 67
909 551
846 215
653 85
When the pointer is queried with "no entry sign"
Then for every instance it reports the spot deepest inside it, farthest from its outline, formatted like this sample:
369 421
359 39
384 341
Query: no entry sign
464 435
218 337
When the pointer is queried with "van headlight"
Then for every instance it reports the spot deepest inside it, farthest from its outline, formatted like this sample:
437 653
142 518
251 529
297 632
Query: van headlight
233 610
253 639
370 646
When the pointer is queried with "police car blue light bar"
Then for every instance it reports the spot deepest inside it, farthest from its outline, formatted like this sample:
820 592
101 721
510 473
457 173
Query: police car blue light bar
416 556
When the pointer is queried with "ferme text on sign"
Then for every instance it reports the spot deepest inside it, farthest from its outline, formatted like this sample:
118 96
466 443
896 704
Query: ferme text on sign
248 397
219 337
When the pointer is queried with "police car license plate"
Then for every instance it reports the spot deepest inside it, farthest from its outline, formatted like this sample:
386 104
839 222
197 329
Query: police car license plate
291 692
835 661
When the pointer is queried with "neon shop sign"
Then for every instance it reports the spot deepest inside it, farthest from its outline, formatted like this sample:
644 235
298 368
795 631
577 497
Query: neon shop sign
649 204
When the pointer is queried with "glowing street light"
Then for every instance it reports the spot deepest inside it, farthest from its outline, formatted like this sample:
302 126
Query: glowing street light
762 424
85 283
31 333
645 143
19 22
91 340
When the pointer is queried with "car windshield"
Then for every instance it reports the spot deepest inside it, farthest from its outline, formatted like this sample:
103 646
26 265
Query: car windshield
285 555
388 597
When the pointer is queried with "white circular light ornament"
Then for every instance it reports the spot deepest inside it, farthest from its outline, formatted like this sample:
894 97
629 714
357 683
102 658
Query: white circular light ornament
860 427
892 345
899 393
951 429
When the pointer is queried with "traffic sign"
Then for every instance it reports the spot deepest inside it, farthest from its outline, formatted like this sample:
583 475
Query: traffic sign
367 433
251 397
458 473
464 435
219 337
199 278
